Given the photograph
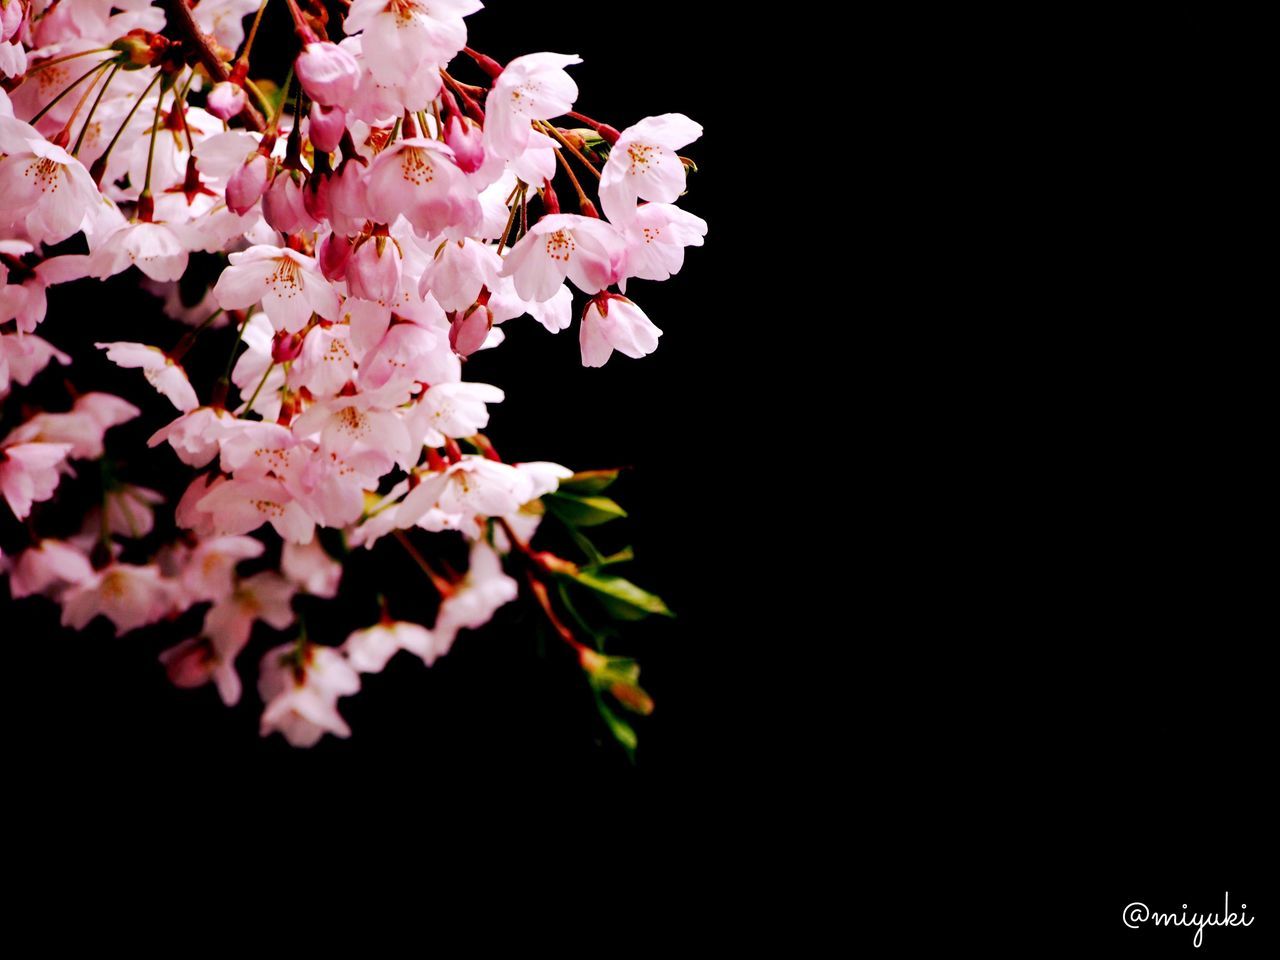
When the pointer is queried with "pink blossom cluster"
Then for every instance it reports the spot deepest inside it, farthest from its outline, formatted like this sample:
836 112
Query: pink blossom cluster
380 219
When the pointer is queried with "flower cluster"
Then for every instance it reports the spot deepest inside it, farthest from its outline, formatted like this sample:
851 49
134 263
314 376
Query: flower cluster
377 219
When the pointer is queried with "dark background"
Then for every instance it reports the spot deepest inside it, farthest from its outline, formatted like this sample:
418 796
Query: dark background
500 709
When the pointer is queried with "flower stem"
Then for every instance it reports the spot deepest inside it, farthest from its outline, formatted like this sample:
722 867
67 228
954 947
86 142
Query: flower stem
551 129
253 34
437 581
79 80
92 110
100 165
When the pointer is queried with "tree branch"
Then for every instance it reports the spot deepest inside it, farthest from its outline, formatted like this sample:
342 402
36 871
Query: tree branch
186 25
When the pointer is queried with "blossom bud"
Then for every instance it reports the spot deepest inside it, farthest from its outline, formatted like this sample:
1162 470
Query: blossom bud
328 74
140 48
282 205
316 194
286 347
467 142
373 272
11 16
226 100
326 127
247 184
334 255
190 663
469 331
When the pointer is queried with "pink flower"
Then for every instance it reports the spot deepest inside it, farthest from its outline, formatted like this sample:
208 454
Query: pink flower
240 506
209 571
162 373
83 427
459 271
151 247
129 512
301 688
643 164
49 188
452 410
373 272
466 140
471 487
589 252
311 569
615 323
129 596
417 179
325 364
29 473
195 436
226 100
402 36
247 184
288 284
356 424
368 650
283 206
656 238
470 331
532 87
476 598
21 358
325 128
329 74
47 568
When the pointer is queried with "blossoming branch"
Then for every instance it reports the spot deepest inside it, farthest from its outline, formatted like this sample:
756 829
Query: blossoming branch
377 214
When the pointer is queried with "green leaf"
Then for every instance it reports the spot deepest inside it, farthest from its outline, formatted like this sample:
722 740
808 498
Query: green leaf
578 511
622 556
622 598
589 481
622 731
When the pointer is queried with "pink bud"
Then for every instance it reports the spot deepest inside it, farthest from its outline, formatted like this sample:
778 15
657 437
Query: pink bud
226 100
11 17
374 271
335 254
315 196
247 184
468 332
467 141
282 205
190 663
326 127
328 74
286 347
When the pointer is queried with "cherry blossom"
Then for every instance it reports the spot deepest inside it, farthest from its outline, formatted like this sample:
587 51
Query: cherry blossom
368 650
331 262
643 164
301 688
29 474
589 252
161 372
532 87
128 595
288 284
615 323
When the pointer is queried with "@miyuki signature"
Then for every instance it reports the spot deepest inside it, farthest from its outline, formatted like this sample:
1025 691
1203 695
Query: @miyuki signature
1138 913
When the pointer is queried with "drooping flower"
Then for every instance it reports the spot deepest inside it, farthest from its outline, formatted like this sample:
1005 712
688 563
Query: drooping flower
615 323
287 283
29 473
301 684
368 650
476 598
590 252
161 372
643 165
418 179
128 595
532 87
402 36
